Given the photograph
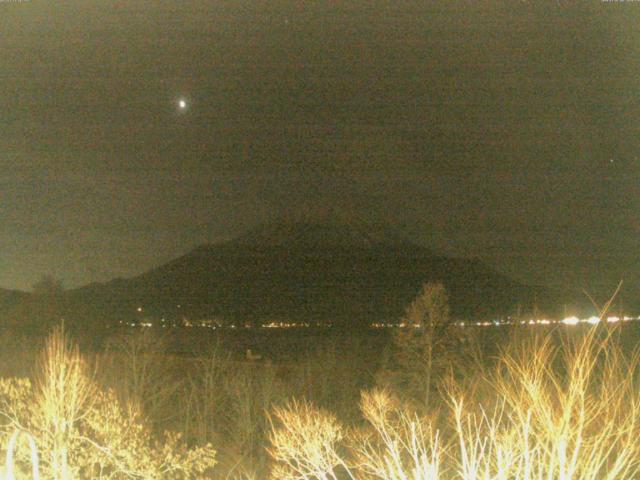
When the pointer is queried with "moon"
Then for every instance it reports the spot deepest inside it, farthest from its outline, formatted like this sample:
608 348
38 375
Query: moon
182 104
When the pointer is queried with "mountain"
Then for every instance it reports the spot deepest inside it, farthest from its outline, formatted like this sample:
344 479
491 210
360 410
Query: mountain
10 298
313 235
307 271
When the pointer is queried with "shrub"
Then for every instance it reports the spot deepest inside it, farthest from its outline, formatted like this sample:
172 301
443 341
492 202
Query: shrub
305 442
399 444
83 432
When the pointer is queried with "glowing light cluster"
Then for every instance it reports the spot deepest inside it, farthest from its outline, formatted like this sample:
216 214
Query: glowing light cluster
284 325
570 321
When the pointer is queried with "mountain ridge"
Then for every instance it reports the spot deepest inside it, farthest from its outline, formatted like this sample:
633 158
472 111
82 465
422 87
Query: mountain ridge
302 271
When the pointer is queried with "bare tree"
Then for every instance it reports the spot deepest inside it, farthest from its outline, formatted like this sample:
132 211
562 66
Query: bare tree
425 349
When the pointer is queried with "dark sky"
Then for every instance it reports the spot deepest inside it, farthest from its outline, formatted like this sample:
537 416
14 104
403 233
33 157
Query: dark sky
507 130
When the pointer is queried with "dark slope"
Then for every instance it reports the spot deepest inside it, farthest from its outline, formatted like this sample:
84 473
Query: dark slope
10 298
310 272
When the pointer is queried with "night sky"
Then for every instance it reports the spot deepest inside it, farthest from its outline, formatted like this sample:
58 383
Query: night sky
506 130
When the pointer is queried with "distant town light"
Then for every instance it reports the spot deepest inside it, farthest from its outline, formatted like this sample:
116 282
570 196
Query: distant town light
571 320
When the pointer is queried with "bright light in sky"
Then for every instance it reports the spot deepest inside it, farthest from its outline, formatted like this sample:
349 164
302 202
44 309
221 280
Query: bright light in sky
182 104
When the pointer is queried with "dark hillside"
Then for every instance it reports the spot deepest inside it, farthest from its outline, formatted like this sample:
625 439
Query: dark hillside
312 272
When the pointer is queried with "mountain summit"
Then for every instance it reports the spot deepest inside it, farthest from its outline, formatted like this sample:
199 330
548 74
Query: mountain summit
320 235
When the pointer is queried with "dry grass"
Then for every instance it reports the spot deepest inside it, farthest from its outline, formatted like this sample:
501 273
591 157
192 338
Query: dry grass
558 406
568 411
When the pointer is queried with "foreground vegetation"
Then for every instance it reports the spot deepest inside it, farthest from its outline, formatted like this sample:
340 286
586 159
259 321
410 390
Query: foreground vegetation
563 404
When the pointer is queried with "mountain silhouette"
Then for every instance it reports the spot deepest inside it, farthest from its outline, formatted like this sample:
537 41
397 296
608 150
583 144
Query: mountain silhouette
305 271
